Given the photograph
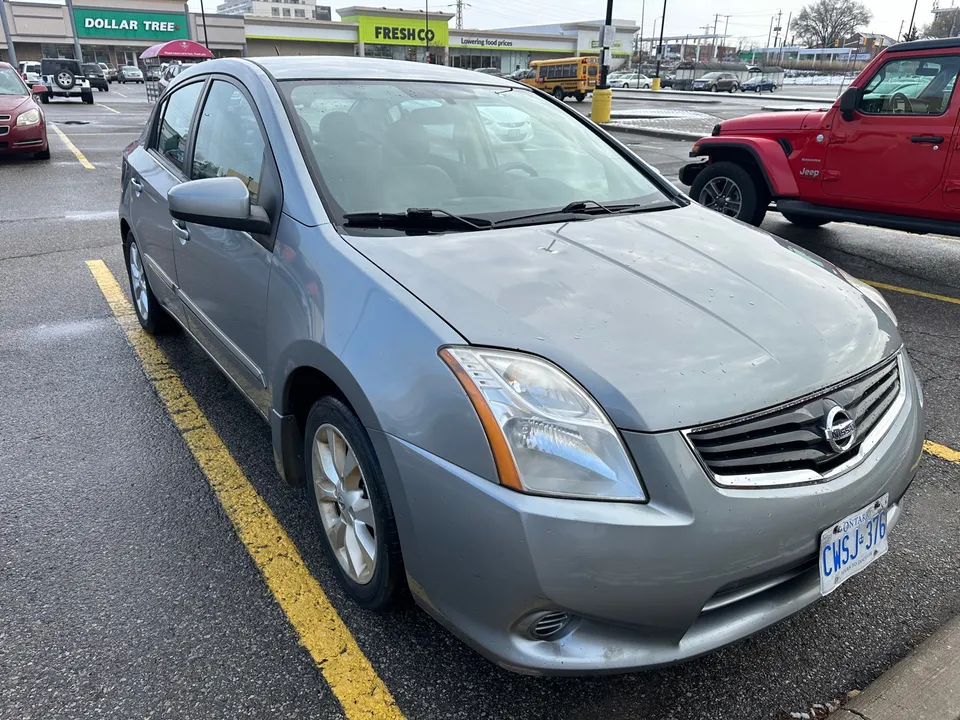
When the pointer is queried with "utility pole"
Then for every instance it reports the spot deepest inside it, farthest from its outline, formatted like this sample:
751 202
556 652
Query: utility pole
716 20
769 35
912 18
643 11
6 34
706 31
785 34
726 27
459 14
73 24
777 28
900 34
426 31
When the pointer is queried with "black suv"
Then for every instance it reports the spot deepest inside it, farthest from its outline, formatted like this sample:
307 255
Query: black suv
62 77
96 77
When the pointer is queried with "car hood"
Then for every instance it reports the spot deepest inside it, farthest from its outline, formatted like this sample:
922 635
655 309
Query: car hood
670 319
794 120
9 103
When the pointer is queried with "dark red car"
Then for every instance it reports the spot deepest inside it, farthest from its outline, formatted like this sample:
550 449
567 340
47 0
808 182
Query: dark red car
23 128
886 154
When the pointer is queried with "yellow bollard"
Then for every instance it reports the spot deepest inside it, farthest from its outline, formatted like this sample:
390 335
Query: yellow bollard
602 100
656 83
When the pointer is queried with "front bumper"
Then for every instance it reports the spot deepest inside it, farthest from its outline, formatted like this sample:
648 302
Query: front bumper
696 568
24 140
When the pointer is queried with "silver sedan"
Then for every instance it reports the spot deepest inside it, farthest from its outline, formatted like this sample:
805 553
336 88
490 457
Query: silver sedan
590 425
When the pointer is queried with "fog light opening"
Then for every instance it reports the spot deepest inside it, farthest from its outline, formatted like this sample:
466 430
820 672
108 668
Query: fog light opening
549 625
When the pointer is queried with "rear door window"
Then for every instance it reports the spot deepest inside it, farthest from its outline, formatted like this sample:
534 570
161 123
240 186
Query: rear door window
174 125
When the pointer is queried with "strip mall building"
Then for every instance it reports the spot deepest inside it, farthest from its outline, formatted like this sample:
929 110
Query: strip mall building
117 31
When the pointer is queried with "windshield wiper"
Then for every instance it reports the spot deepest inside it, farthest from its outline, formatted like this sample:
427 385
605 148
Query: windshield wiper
425 219
582 210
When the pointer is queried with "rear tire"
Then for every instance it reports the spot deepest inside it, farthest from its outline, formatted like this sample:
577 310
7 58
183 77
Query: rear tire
558 93
731 190
152 317
354 510
804 221
87 97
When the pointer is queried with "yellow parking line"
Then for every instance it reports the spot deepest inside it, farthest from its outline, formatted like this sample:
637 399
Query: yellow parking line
352 679
942 451
107 107
910 291
73 148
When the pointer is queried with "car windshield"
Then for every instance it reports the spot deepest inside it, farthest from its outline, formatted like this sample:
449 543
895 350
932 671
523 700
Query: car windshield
484 151
92 68
10 83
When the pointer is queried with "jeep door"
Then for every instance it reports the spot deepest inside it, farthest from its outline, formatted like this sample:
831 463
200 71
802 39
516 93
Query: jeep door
894 149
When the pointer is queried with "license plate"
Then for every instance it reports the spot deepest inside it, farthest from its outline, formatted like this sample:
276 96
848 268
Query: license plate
850 545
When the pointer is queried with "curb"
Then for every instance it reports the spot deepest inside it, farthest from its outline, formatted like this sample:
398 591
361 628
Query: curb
923 686
655 132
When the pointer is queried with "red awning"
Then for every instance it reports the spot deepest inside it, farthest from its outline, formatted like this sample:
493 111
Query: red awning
177 50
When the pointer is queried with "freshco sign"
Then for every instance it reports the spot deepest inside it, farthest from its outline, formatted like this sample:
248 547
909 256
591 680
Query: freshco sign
130 25
403 33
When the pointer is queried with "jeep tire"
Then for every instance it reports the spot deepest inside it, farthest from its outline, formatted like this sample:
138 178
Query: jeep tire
732 190
65 79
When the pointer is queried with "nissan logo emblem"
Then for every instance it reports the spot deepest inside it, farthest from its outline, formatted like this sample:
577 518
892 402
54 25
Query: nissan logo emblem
840 429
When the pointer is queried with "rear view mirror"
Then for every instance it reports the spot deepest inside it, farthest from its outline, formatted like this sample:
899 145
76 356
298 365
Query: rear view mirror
218 202
849 102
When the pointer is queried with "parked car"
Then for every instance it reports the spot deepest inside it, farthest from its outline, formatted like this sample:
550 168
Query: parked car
109 71
758 84
62 77
129 73
505 124
880 156
464 355
96 77
629 80
490 71
717 81
169 73
30 72
23 127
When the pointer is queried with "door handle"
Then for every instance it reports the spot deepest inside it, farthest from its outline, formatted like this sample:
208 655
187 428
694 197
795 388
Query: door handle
180 230
929 139
137 186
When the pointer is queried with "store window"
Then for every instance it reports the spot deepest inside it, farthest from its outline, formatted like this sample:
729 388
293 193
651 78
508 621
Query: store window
286 12
275 12
300 13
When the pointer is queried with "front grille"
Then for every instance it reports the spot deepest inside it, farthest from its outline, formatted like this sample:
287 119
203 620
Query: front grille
6 118
792 437
4 130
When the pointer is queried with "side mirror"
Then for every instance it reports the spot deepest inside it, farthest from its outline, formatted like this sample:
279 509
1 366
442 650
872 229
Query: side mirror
849 102
218 202
38 89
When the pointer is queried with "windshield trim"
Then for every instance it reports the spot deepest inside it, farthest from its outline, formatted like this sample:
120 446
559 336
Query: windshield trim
335 217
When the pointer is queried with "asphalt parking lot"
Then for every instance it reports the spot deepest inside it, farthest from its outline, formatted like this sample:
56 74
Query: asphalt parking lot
128 588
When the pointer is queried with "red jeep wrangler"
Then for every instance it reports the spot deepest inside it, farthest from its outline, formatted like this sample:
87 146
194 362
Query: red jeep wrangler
886 154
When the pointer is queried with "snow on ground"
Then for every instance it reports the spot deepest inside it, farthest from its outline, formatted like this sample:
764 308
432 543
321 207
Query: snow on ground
816 80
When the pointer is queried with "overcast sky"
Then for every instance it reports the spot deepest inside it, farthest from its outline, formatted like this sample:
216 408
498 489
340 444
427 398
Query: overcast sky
748 18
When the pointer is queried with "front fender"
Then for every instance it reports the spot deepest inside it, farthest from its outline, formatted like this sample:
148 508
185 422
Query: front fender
766 153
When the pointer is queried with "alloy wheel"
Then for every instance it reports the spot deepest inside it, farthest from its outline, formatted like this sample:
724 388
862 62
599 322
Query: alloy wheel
138 283
723 195
344 504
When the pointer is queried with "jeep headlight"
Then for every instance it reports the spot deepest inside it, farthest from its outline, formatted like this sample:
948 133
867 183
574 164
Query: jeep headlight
30 117
547 435
872 294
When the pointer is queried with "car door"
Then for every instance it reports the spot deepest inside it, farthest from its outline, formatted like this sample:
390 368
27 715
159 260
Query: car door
223 274
894 148
155 168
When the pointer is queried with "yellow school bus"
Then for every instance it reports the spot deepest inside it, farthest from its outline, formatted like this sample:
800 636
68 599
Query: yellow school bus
563 77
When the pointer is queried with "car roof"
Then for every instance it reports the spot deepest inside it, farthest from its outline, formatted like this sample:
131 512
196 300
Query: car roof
940 44
5 66
354 68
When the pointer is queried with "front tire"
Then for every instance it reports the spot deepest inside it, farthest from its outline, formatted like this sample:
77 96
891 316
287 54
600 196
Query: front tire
804 221
580 97
43 154
153 318
350 499
731 190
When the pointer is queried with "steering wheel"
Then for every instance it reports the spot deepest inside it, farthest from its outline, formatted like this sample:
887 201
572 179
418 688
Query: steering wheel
510 166
907 106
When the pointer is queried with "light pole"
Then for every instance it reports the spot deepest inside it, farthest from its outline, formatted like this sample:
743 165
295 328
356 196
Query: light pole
663 20
6 34
603 96
73 26
203 15
426 31
912 18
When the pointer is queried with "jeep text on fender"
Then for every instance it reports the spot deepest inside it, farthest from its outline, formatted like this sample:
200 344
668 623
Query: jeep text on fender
887 153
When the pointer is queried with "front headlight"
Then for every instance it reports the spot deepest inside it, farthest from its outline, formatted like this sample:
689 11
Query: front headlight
872 293
547 435
30 117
